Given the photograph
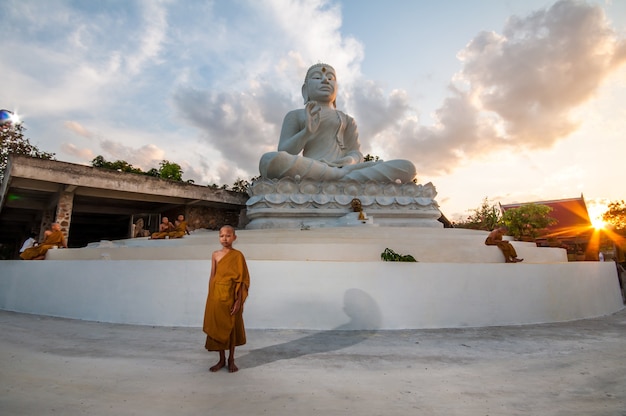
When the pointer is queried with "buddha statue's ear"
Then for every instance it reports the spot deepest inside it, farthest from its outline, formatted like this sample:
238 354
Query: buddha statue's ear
305 94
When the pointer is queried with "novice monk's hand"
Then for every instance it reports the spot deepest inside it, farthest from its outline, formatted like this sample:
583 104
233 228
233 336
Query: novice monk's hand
236 307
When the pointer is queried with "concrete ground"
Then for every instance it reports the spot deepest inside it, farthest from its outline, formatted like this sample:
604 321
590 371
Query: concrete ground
52 366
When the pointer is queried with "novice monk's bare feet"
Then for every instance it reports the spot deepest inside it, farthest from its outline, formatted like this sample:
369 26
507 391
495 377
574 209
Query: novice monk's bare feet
217 367
232 368
516 260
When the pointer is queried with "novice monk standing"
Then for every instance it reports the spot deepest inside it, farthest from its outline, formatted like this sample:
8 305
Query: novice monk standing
228 290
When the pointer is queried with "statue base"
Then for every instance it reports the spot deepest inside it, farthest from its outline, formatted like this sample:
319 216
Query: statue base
291 203
320 279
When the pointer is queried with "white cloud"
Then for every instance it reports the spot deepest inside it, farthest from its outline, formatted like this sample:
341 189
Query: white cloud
519 89
152 36
207 84
241 116
144 157
71 149
78 128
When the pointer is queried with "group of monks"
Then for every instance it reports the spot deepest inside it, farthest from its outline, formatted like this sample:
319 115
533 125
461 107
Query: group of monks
52 238
169 230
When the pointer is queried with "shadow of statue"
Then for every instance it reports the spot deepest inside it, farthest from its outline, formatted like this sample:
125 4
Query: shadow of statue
365 320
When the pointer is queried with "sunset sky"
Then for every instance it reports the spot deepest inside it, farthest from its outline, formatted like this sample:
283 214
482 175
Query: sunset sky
516 101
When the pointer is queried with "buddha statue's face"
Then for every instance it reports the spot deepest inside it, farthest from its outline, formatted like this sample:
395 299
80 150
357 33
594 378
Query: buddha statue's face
320 84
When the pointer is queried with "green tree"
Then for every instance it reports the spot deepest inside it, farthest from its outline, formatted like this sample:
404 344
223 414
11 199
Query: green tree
170 171
118 165
153 172
486 217
167 170
616 215
242 185
528 220
13 142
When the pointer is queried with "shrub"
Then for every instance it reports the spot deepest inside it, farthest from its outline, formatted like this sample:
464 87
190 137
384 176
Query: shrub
528 220
390 255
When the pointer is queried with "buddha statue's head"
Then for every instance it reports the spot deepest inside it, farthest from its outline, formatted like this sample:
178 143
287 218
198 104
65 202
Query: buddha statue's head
318 79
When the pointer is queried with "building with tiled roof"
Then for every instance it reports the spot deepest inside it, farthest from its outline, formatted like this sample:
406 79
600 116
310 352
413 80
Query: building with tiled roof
573 228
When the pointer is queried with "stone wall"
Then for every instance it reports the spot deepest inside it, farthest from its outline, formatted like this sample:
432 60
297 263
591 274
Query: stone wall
210 217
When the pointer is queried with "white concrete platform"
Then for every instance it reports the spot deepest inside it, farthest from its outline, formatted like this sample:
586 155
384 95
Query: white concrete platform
345 244
318 279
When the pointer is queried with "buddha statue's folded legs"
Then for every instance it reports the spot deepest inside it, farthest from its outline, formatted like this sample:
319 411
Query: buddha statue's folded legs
276 165
399 171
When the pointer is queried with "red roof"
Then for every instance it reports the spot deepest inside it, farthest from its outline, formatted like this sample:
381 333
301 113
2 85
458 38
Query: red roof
571 215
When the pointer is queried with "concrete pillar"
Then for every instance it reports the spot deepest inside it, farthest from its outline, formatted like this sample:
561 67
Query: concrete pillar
64 212
46 222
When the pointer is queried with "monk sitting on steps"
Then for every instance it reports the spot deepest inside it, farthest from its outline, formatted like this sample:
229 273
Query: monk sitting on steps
495 239
165 228
53 238
180 228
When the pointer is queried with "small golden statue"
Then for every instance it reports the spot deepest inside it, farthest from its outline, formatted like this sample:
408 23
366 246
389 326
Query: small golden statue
357 207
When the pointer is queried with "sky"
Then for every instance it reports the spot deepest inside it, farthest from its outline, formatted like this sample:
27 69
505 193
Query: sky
509 100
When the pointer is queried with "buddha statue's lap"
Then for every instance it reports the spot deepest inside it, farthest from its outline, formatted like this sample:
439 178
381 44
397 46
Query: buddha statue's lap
321 143
276 165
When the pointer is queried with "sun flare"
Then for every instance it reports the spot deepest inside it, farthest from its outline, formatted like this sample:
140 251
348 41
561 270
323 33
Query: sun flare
596 209
598 224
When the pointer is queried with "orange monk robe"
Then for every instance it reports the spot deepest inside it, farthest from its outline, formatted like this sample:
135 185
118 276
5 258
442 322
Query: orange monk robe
165 231
55 238
179 231
223 329
507 248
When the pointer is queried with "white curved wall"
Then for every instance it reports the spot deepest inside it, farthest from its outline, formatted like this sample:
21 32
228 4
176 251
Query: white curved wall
316 294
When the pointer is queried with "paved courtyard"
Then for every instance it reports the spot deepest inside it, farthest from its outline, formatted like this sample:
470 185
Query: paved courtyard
53 366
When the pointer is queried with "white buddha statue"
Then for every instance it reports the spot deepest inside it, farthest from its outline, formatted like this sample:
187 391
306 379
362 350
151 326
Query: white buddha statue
328 140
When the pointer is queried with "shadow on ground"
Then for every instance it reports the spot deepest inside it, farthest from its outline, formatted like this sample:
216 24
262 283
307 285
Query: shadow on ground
363 312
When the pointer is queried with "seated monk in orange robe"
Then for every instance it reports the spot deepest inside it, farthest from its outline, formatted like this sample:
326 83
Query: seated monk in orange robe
54 238
228 290
495 239
180 228
165 228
